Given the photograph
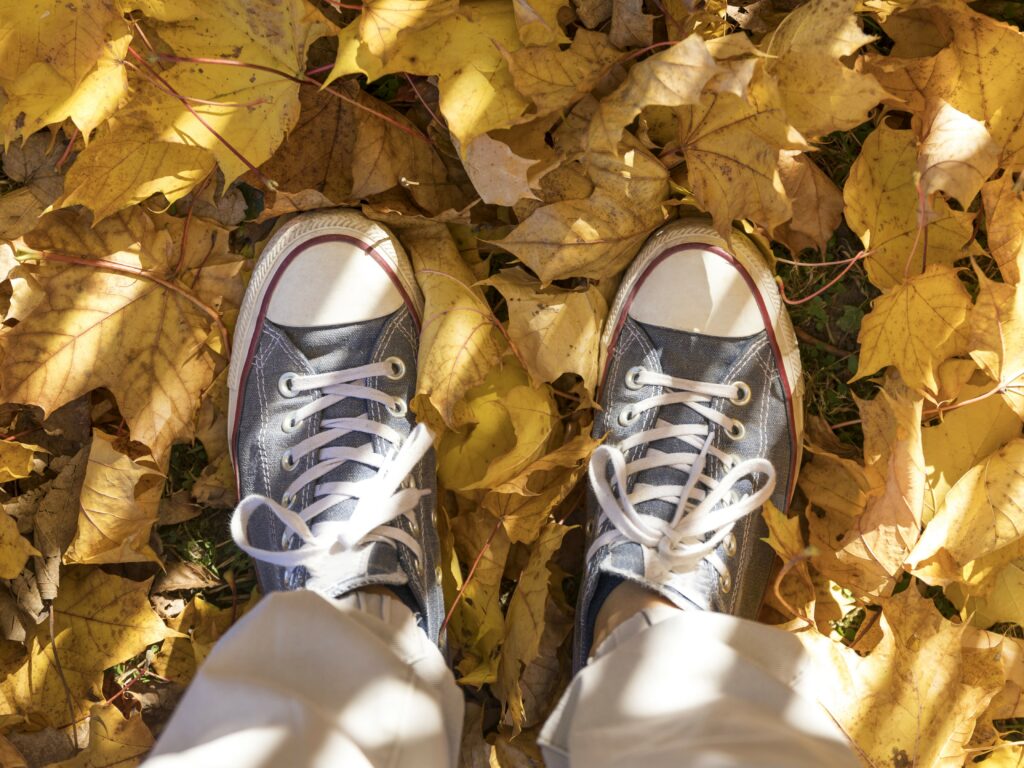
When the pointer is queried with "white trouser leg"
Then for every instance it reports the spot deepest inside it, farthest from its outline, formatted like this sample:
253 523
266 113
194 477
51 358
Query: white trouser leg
306 681
695 689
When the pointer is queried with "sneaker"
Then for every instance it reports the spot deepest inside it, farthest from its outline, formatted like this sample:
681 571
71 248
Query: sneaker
336 479
702 408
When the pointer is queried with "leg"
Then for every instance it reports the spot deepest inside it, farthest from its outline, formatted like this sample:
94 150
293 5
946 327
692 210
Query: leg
701 405
271 696
338 512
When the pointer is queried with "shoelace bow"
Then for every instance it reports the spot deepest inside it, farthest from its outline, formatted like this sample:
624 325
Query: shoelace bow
697 527
381 498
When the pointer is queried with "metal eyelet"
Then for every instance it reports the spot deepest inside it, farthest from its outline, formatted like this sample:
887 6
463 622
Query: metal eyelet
397 368
725 583
284 384
744 393
633 377
627 416
438 573
737 430
398 408
730 545
289 424
730 461
288 462
287 499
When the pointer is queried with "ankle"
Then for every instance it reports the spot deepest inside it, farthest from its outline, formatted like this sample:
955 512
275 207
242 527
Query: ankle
623 603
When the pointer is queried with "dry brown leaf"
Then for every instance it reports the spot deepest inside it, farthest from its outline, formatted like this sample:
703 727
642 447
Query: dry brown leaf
499 175
882 209
915 327
631 27
56 521
105 328
31 164
816 200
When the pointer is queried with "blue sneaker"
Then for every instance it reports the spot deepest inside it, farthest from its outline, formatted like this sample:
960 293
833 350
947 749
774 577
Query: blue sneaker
337 481
702 407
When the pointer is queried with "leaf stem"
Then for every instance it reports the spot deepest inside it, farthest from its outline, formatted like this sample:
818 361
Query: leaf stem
849 265
472 571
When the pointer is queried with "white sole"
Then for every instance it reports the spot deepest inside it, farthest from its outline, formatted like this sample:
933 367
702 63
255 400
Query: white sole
346 223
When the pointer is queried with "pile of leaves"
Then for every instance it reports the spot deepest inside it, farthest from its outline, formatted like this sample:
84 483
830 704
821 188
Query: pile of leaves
522 151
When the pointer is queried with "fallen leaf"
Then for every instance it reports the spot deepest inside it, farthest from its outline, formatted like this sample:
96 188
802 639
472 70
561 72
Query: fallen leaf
180 574
59 62
476 91
631 27
17 460
500 176
817 203
819 92
554 331
882 209
56 522
915 327
201 624
979 518
14 548
381 22
114 740
732 146
957 155
598 236
671 78
104 328
554 79
511 422
525 620
593 13
100 621
916 695
459 341
119 503
1004 219
30 164
537 21
997 338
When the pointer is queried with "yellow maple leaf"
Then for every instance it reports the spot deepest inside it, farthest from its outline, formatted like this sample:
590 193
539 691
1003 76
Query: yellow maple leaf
525 620
597 236
17 460
460 342
882 209
58 61
382 21
957 154
553 78
15 549
512 421
1001 599
674 77
809 49
1004 221
997 337
32 165
142 338
537 21
915 327
114 740
476 90
201 624
731 146
100 620
916 695
119 502
980 519
553 331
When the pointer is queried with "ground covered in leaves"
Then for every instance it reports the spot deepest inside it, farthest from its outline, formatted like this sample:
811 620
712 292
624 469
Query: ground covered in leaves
522 150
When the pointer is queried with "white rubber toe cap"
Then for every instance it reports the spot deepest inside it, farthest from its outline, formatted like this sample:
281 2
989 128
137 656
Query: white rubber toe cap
332 283
697 291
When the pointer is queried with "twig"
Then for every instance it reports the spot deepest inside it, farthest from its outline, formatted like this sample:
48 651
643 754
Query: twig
472 571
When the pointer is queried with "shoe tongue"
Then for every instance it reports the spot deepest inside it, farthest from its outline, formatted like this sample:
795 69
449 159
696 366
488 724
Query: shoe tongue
332 349
685 362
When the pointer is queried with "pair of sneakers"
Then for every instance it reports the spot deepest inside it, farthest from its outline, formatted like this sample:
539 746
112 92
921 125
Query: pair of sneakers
700 403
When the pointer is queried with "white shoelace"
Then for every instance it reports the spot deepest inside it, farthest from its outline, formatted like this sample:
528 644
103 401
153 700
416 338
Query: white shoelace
696 528
381 498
